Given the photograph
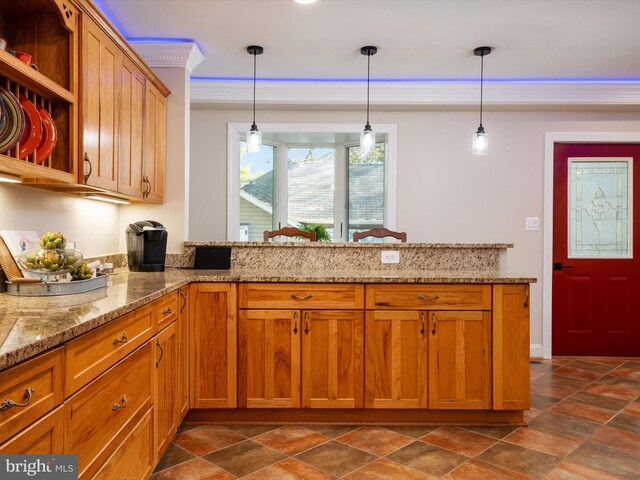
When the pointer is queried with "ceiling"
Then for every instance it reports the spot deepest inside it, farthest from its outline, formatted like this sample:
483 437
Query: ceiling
428 40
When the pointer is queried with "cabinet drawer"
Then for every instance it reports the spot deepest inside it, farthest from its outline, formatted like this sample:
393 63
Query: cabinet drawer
43 437
429 297
166 310
133 459
28 391
91 354
301 295
98 412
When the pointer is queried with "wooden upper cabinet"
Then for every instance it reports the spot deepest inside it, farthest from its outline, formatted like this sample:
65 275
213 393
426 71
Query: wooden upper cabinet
132 107
396 359
101 77
511 382
332 359
269 359
459 359
212 332
155 144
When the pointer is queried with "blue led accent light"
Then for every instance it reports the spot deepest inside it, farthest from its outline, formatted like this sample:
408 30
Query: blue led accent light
419 80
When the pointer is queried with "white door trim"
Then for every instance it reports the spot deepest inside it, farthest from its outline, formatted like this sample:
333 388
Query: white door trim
550 139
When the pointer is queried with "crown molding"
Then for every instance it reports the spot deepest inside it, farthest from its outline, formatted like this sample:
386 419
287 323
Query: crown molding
415 93
170 54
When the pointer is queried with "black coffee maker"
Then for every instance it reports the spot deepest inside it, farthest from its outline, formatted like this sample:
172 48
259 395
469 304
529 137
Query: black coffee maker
146 246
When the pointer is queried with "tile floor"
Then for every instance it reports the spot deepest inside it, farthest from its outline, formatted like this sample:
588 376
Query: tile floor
584 423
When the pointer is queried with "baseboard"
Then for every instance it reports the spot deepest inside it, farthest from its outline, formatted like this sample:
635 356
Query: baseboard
535 350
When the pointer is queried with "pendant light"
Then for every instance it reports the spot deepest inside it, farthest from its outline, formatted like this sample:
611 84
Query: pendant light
480 138
254 137
368 136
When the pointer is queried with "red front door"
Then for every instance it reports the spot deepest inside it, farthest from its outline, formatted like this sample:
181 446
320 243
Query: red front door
596 300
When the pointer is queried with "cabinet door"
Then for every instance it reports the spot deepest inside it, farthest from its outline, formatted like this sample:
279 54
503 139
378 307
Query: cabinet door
42 437
396 359
332 359
511 347
155 144
183 345
102 61
166 387
459 360
212 330
132 96
269 359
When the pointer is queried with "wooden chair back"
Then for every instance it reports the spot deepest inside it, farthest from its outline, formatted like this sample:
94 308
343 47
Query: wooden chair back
289 232
380 233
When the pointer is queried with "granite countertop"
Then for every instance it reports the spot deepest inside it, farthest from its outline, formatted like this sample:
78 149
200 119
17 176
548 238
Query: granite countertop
385 245
31 325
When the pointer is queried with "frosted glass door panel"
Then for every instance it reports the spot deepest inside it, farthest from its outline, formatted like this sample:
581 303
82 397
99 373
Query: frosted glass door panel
600 200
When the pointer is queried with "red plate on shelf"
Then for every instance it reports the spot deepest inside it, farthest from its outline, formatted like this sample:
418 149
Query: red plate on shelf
32 128
49 136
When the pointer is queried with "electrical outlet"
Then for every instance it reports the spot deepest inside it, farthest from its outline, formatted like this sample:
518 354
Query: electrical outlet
390 256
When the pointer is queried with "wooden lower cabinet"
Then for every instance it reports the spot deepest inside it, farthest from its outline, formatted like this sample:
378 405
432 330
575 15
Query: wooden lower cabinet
459 360
301 358
42 437
183 353
269 359
100 414
396 359
510 335
165 387
332 359
134 458
213 345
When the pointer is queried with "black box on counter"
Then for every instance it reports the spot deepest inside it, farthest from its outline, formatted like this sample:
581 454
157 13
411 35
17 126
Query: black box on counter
212 258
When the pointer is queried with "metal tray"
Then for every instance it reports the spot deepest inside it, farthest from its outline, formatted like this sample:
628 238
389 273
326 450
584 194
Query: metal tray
56 288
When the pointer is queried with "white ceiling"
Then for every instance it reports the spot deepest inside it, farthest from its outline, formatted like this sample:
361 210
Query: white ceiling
417 39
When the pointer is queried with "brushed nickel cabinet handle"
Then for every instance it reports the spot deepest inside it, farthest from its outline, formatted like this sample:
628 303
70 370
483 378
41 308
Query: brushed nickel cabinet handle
121 404
422 321
295 323
184 300
161 352
306 297
8 403
86 160
167 311
306 323
123 339
433 297
433 317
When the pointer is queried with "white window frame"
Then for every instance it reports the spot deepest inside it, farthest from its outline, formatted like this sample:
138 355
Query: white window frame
236 131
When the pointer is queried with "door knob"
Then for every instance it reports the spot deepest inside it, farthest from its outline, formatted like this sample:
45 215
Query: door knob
560 266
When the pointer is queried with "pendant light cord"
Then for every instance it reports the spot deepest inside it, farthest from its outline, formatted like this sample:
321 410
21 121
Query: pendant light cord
481 84
254 89
368 81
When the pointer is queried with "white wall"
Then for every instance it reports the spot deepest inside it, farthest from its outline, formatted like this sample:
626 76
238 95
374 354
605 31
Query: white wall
445 194
91 224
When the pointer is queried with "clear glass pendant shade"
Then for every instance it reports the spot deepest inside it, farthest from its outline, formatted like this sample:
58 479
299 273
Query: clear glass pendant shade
480 142
254 139
367 140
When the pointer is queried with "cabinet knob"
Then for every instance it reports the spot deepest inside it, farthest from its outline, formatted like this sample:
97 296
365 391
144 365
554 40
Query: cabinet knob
306 297
433 297
8 403
306 323
161 352
295 323
167 311
433 317
87 161
422 322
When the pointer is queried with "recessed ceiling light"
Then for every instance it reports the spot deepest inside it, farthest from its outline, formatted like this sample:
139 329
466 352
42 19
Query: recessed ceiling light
304 2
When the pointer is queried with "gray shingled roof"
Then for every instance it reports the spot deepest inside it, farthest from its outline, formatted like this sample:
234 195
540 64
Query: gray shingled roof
311 190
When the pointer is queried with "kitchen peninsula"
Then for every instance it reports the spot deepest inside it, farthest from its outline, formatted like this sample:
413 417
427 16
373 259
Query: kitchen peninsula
291 333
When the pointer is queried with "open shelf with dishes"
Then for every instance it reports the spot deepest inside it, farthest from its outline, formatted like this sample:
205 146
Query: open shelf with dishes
38 90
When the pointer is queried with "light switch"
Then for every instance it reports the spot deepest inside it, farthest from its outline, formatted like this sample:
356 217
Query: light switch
533 223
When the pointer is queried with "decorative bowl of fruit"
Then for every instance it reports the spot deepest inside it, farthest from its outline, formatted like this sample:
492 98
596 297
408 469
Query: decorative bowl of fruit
52 259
